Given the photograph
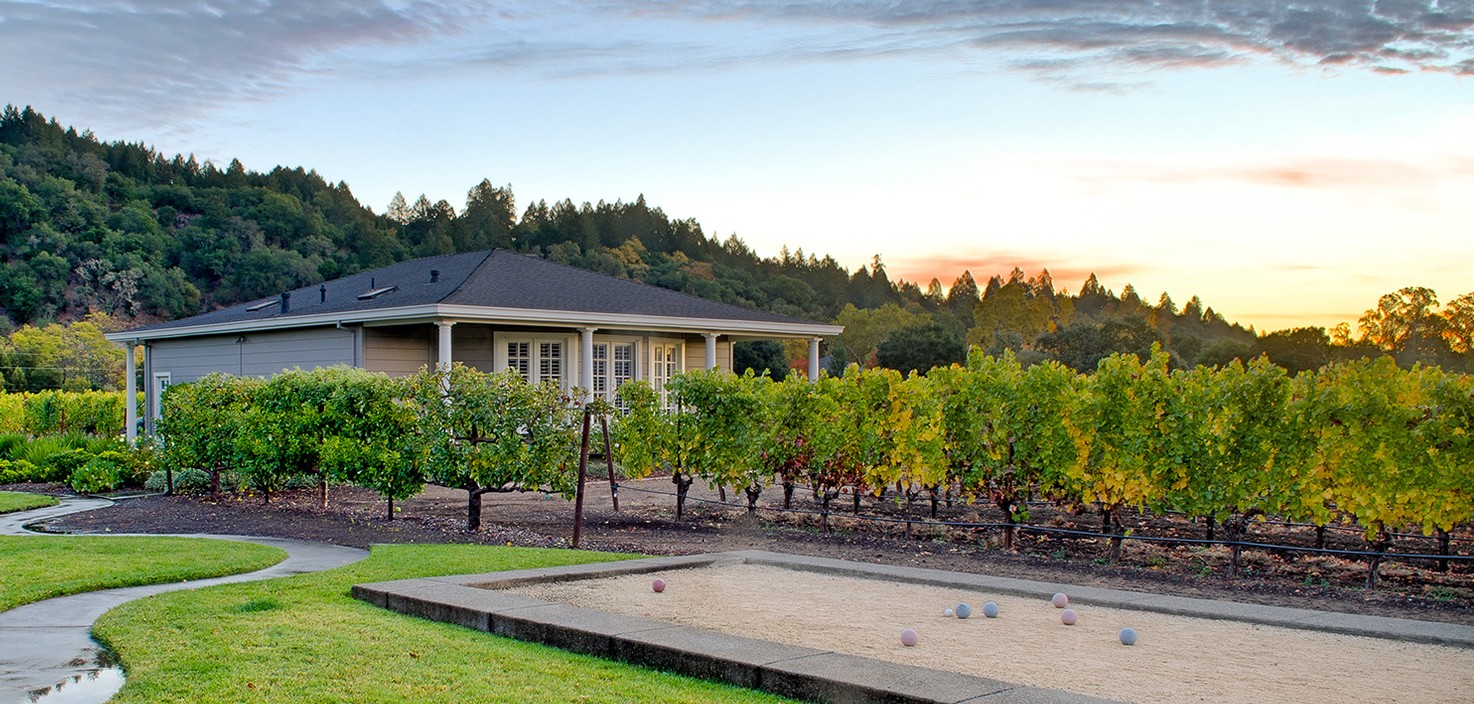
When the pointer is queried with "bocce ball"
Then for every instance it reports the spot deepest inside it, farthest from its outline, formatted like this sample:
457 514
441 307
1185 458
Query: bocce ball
658 585
990 609
1060 600
1068 617
1128 636
964 610
908 637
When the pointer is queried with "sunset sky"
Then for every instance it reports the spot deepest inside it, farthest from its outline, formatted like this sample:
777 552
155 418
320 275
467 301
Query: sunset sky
1287 162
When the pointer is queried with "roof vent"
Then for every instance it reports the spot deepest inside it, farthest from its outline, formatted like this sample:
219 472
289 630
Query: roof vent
434 276
263 305
286 303
322 293
376 293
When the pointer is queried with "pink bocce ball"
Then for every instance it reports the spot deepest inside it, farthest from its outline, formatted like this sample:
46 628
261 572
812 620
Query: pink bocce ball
909 637
658 585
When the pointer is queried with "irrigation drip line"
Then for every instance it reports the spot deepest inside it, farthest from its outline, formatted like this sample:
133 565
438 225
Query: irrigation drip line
1293 524
924 522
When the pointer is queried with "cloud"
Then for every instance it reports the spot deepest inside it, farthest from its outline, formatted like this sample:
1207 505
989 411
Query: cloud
167 61
161 60
1066 272
1388 35
1310 172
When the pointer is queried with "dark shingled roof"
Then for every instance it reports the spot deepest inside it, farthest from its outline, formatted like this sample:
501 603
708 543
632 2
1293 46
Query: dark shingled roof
497 279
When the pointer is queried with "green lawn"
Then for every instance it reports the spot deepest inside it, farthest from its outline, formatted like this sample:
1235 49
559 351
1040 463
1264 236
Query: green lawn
37 567
304 639
18 501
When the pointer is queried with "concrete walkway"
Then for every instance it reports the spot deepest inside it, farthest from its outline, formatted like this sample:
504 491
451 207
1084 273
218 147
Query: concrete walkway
46 648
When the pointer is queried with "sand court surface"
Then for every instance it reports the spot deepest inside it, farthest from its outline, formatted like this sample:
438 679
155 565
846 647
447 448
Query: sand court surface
1177 659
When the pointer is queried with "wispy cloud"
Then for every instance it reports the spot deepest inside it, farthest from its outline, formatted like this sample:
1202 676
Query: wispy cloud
1066 271
1397 35
171 61
1311 172
146 58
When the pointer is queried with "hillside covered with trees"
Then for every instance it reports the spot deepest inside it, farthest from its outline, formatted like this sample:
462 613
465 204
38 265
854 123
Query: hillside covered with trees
116 234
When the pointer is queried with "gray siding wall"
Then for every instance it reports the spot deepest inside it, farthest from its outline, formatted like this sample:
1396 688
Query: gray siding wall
471 345
401 350
258 354
255 354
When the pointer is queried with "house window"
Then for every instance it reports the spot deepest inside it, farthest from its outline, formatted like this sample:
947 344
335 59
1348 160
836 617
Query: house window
536 360
519 357
550 361
665 363
614 364
601 369
161 382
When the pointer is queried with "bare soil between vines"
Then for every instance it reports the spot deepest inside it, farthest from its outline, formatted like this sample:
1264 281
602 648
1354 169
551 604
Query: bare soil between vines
646 523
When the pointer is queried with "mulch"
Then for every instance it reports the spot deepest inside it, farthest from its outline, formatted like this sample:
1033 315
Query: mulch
646 523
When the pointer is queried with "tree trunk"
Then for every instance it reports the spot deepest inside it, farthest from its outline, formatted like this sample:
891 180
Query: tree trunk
390 516
214 483
722 493
169 481
1443 549
1212 523
683 485
824 510
753 491
1007 507
1320 537
609 460
936 498
1111 526
908 515
322 492
583 473
1379 545
787 495
857 500
1235 530
473 508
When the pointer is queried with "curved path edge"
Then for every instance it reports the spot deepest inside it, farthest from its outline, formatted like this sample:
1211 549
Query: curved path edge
47 643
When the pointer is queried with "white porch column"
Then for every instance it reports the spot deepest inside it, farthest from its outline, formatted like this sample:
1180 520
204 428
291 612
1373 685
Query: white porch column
130 393
445 349
711 350
813 359
586 362
150 392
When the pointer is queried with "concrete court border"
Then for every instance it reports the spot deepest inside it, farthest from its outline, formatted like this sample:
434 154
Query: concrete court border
805 673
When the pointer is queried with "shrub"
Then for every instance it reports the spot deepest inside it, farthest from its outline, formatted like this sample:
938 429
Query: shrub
93 412
103 472
39 452
8 443
17 472
186 481
59 466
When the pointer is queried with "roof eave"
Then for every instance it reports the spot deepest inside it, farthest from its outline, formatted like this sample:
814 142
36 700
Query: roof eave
464 313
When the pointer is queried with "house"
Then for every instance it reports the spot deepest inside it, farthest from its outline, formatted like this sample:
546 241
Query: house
491 310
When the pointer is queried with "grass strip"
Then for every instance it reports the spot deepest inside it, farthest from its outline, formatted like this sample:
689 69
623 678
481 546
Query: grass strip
304 639
11 501
38 567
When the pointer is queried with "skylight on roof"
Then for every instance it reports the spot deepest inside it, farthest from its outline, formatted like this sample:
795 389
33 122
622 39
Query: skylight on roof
264 305
376 292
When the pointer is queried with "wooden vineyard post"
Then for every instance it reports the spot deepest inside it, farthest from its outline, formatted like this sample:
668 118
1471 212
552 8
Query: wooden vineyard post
583 467
609 459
